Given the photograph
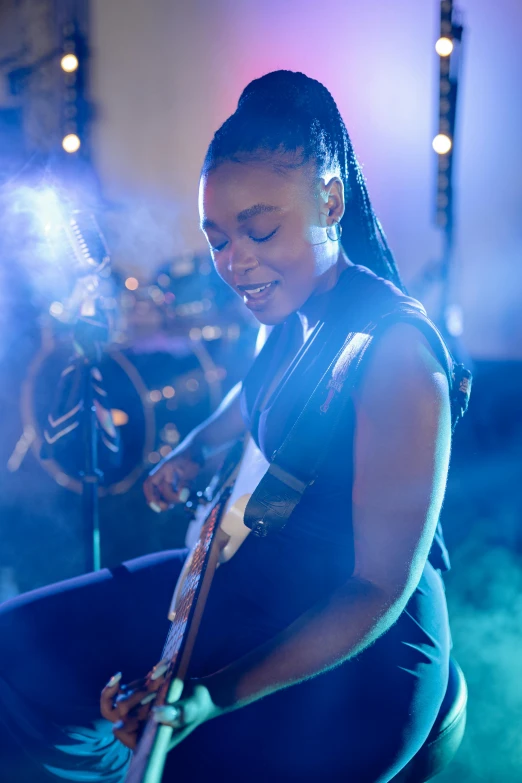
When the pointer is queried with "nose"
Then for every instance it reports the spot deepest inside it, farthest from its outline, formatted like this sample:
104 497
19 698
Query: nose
241 261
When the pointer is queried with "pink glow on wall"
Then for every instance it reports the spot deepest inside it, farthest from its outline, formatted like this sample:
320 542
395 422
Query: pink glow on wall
174 71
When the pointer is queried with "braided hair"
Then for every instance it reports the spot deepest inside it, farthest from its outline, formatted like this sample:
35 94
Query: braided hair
287 119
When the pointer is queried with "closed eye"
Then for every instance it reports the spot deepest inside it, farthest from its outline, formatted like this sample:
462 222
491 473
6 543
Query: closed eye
265 239
217 249
254 239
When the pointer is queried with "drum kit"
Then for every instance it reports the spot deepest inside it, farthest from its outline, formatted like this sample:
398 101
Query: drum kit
177 341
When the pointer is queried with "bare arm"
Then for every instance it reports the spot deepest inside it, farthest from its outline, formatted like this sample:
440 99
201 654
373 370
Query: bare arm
226 423
402 447
204 446
223 426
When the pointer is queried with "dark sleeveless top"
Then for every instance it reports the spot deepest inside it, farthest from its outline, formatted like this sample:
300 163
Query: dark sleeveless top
271 581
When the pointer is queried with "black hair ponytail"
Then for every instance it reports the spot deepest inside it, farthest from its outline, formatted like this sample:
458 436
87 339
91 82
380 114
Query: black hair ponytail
288 119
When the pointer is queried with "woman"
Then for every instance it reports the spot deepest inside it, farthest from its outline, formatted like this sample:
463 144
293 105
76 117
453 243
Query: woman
339 619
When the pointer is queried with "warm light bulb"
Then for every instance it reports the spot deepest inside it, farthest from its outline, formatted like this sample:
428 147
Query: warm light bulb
444 47
131 283
71 142
69 63
442 144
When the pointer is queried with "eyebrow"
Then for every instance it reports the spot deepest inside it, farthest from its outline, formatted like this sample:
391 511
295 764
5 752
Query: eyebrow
245 214
257 209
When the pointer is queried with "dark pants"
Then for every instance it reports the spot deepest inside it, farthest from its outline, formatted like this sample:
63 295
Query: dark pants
360 722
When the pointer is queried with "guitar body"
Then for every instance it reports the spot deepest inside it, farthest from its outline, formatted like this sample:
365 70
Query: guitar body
233 531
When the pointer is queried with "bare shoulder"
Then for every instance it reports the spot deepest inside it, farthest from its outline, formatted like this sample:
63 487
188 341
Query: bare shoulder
402 372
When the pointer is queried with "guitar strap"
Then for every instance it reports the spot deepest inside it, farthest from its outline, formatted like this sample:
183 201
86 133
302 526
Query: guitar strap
293 467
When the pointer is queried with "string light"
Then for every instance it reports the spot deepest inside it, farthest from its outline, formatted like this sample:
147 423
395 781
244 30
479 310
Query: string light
131 284
442 144
69 63
71 143
444 47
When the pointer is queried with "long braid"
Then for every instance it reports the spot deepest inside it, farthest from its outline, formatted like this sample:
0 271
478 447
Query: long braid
288 112
364 236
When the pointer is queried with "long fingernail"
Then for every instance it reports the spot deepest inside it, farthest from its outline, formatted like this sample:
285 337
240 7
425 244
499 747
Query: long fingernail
135 685
155 507
184 495
165 714
148 698
114 680
159 670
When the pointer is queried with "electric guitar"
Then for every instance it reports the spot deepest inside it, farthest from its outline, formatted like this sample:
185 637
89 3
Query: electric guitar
222 533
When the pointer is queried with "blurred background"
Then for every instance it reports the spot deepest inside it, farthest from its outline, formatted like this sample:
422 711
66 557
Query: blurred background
106 111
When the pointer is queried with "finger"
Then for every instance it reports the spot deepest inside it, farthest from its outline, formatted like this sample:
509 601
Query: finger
142 710
107 707
153 495
170 715
143 691
157 674
126 702
169 492
134 685
128 732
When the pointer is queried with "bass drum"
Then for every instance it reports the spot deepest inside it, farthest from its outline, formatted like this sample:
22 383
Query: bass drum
157 394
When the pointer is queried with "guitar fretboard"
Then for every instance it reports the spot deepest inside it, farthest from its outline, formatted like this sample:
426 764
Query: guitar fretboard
190 588
147 762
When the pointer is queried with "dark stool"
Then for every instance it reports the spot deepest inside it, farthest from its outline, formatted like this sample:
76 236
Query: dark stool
445 736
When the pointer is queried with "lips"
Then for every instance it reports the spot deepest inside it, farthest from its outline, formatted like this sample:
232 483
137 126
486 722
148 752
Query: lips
255 296
254 290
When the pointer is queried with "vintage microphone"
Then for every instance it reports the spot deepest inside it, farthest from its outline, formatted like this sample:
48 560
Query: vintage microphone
81 402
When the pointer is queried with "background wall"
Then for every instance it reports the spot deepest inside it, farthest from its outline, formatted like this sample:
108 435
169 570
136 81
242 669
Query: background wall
166 74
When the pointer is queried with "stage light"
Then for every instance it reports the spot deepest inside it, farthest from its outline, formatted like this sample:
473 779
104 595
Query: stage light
69 63
56 309
442 144
444 47
155 395
164 280
131 283
168 392
71 143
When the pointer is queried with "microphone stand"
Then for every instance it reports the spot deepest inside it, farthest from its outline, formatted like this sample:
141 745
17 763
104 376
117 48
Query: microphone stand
91 475
90 335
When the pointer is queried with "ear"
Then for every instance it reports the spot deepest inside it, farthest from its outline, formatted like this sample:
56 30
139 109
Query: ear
332 201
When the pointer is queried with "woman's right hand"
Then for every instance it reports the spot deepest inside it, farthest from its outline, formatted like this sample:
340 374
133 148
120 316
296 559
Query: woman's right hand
175 473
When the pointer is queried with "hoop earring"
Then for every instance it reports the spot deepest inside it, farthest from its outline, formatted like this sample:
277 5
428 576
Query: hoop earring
338 229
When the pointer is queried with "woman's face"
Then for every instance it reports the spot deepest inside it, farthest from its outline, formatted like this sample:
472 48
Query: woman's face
266 231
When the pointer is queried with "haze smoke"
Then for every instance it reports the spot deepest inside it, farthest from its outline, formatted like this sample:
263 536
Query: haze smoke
485 599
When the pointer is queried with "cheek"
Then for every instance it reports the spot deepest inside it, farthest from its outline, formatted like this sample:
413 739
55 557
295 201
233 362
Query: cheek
221 267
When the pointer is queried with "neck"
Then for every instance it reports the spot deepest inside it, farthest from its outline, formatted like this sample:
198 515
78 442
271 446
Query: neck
314 307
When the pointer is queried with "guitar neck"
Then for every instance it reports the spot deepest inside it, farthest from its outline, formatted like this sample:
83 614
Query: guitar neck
149 757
